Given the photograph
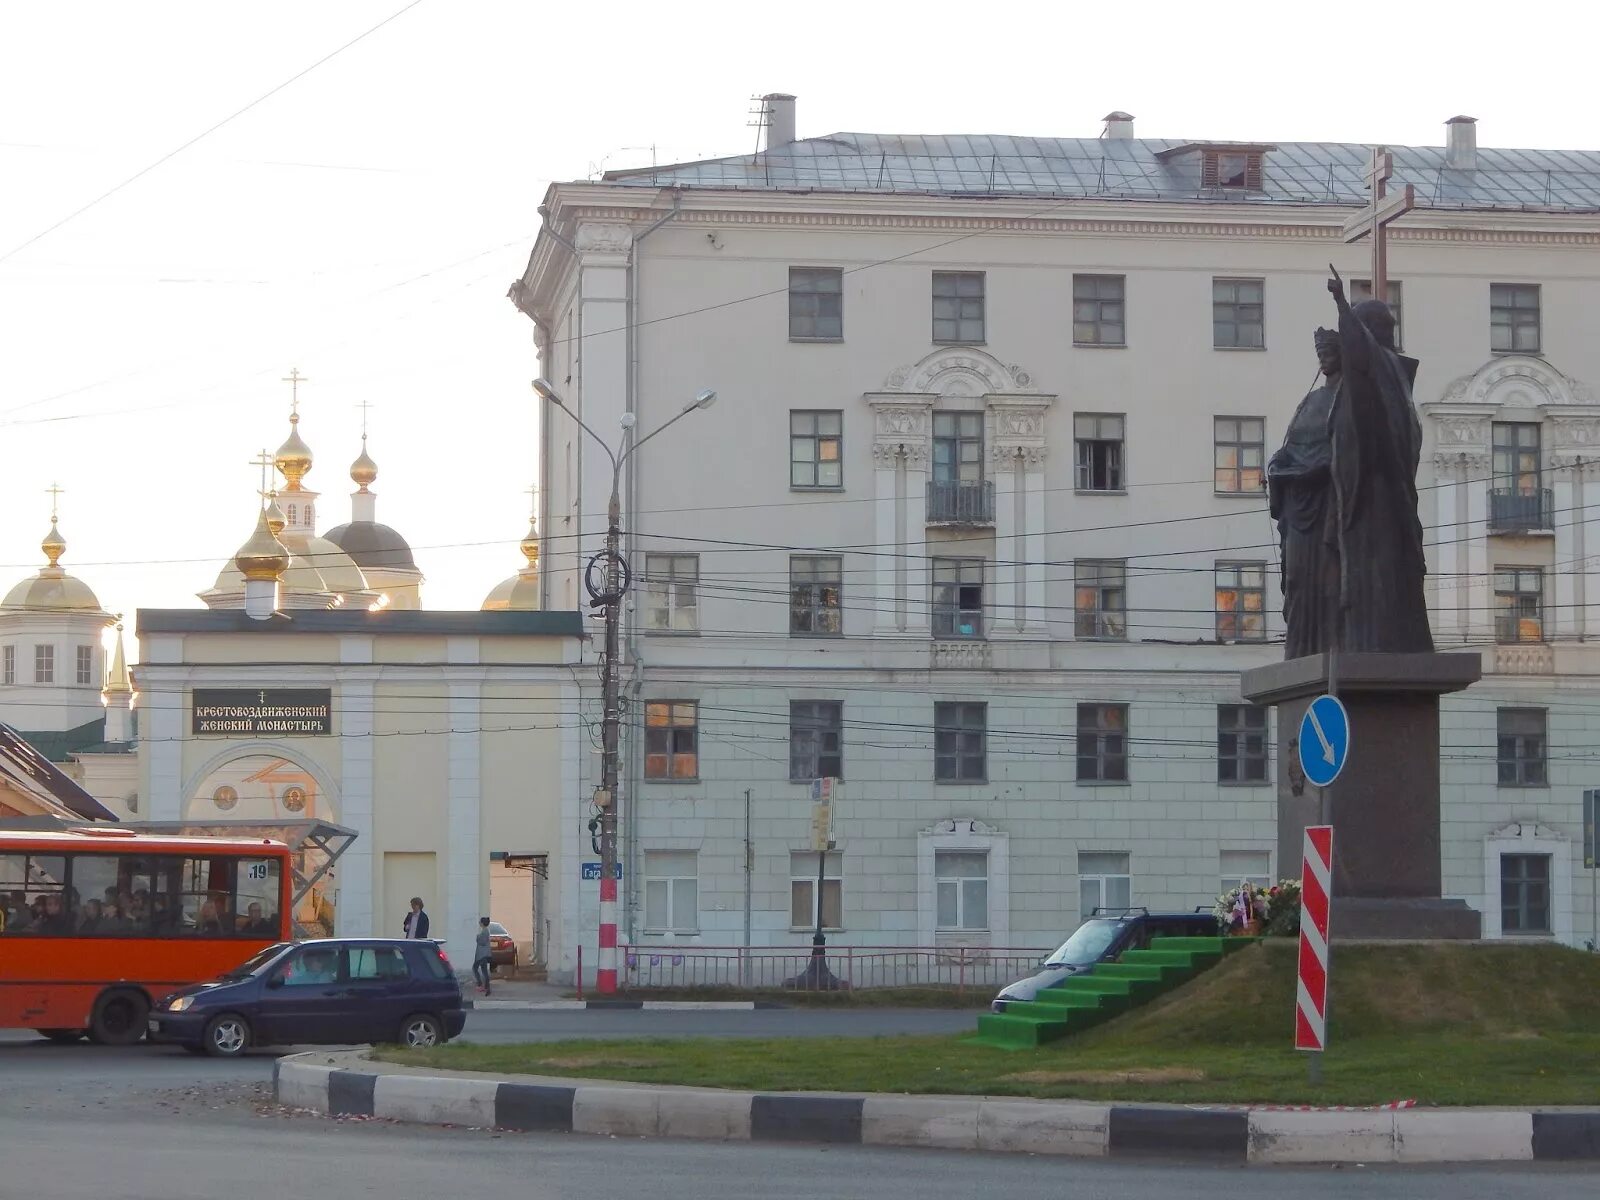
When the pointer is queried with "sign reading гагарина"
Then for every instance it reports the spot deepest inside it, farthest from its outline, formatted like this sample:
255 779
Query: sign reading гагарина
258 712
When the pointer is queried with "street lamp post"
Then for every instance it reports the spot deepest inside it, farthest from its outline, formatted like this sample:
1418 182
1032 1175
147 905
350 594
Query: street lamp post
608 597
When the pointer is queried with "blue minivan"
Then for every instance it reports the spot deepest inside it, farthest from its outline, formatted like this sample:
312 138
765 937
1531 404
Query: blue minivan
328 991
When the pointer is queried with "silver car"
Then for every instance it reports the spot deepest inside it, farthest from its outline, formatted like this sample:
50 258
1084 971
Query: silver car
1103 938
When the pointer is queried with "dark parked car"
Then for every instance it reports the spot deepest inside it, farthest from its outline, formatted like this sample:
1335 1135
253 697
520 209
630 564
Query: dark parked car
329 991
502 947
1103 938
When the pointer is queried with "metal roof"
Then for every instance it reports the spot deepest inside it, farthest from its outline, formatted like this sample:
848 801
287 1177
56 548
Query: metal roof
1113 168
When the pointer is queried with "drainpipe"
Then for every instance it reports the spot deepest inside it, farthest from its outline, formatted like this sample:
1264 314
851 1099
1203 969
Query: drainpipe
630 856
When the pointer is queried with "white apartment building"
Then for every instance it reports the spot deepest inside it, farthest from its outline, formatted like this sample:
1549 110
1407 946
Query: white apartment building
977 523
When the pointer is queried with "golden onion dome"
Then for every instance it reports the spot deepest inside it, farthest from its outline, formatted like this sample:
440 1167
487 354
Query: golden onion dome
530 544
275 518
520 593
52 587
54 545
263 556
294 456
364 471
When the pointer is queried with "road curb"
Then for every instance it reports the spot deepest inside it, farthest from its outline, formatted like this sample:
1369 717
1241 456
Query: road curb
337 1085
613 1005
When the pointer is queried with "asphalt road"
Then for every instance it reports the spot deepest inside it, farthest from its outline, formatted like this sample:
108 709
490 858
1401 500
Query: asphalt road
148 1123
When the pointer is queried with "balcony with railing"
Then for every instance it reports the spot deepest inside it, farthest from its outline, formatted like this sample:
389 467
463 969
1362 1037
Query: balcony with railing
961 502
1514 511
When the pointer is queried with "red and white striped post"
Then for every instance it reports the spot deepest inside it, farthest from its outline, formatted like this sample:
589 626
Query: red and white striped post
605 976
1311 990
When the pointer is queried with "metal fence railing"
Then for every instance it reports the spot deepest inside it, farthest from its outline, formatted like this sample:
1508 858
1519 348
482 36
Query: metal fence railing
961 502
857 967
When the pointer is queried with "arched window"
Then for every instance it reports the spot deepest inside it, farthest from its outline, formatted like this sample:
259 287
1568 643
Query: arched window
310 520
293 511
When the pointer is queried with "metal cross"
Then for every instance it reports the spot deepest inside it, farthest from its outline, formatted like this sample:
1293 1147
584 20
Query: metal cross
54 491
294 379
264 461
364 406
1376 216
533 501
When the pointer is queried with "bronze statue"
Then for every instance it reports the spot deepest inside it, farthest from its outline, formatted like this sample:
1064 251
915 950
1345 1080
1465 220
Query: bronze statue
1343 489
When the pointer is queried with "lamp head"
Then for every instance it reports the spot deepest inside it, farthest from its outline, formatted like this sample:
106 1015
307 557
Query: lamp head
628 420
703 399
547 392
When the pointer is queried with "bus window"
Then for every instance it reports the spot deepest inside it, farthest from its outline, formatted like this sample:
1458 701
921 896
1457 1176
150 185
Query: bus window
33 895
256 902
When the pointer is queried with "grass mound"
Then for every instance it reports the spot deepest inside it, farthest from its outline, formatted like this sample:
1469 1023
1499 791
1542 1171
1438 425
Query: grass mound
1438 1023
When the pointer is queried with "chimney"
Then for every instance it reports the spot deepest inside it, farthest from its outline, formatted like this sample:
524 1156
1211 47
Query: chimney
1119 127
1461 145
780 119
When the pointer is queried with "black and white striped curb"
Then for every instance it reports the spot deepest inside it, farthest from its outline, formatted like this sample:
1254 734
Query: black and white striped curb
338 1086
493 1005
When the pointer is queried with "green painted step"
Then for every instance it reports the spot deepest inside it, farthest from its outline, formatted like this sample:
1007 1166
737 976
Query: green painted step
1083 1000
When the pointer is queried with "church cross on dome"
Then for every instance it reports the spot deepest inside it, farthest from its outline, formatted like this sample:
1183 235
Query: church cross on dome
54 491
364 406
264 461
294 379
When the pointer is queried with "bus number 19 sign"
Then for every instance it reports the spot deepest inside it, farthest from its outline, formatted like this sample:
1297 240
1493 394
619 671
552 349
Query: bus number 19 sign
1311 989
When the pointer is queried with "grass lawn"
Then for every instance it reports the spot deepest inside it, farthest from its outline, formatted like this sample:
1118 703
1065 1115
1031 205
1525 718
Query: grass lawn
1441 1024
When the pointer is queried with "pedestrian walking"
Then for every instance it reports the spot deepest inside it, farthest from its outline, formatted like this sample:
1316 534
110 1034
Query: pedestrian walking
481 965
416 922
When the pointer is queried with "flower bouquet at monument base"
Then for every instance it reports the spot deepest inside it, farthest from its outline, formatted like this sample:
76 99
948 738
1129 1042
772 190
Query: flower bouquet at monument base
1260 910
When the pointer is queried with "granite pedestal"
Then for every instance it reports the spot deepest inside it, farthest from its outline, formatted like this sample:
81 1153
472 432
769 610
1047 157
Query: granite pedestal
1384 806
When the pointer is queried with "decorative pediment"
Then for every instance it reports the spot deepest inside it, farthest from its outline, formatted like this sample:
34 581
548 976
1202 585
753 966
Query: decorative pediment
959 371
961 827
1527 831
1517 381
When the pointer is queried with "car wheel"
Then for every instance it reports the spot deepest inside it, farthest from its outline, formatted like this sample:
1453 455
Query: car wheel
64 1036
118 1018
227 1036
421 1030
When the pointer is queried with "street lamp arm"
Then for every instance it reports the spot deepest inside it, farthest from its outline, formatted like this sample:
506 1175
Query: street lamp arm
662 428
616 464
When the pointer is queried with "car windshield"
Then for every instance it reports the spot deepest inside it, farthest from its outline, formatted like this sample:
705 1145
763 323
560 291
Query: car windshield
252 965
1086 945
496 928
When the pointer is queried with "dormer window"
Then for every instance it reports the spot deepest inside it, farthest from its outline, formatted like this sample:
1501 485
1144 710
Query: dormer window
1233 169
1223 166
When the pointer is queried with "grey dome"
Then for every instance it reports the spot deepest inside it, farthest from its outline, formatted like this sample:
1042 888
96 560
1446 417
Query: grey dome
373 545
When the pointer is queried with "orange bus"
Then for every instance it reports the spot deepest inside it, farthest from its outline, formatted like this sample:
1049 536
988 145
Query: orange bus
97 923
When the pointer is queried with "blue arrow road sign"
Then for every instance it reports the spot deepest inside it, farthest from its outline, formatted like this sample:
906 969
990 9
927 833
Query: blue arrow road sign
1324 740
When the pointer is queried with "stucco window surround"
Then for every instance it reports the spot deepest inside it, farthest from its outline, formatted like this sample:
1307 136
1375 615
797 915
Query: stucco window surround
1529 837
964 834
1460 426
959 379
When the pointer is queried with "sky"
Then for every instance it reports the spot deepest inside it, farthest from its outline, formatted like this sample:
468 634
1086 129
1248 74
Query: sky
363 223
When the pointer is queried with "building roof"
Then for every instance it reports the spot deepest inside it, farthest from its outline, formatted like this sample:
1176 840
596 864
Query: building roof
1134 168
373 545
398 622
25 768
60 745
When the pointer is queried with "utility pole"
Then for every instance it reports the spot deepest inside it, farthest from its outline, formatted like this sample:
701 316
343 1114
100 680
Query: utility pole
607 596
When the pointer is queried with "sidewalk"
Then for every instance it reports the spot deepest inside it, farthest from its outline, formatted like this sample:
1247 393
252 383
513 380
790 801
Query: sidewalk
346 1083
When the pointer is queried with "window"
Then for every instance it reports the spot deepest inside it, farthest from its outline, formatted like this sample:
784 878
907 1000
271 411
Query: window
672 739
1239 448
8 665
1241 601
1514 317
816 448
376 962
816 739
671 891
1245 866
1098 314
313 966
816 304
961 885
1516 457
1520 734
1519 604
958 306
1525 893
1241 744
959 735
44 664
815 607
1102 743
958 597
1238 314
85 665
672 593
1104 882
1100 599
803 890
1228 168
958 447
1361 289
1099 443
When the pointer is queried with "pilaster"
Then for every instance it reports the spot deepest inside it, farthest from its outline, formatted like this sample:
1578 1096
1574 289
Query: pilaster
1017 422
900 452
356 809
467 885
